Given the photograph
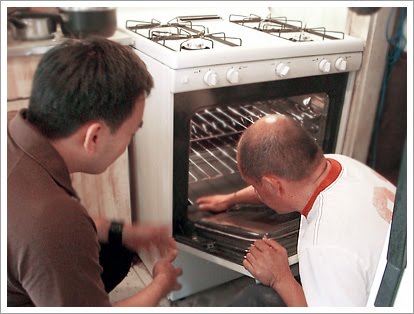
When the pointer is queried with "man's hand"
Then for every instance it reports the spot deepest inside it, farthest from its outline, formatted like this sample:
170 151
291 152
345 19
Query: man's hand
164 281
164 272
148 237
221 202
268 262
215 203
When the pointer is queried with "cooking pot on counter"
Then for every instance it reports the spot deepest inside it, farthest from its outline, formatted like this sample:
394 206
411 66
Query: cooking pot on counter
33 25
81 22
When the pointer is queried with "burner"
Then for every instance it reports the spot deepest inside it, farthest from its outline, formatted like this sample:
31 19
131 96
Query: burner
283 28
188 48
196 44
182 34
302 36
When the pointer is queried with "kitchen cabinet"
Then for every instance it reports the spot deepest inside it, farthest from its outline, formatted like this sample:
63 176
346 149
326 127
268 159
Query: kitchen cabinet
20 70
105 195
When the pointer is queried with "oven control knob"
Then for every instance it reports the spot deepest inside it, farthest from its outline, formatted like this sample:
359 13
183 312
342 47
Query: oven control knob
233 76
210 78
340 64
282 69
325 66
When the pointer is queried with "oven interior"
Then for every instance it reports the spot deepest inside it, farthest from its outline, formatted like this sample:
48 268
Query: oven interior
214 133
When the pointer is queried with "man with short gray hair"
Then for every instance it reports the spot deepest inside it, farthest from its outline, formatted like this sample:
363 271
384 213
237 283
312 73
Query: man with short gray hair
339 198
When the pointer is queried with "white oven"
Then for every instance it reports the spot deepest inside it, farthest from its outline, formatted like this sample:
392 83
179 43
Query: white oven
214 76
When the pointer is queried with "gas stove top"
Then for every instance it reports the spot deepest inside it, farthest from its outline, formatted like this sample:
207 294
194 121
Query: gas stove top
292 30
189 41
195 33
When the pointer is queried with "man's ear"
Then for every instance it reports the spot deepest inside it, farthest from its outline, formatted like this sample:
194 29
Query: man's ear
272 184
92 136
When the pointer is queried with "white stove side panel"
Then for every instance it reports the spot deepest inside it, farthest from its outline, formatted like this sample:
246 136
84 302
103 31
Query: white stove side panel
153 148
152 165
152 155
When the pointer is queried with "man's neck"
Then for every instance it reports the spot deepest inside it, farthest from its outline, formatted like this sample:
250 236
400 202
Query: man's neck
64 148
310 185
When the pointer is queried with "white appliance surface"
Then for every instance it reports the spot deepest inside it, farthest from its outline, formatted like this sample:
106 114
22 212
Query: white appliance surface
255 45
234 54
252 56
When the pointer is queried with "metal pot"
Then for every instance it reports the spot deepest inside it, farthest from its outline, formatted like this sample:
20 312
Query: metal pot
364 11
33 25
81 22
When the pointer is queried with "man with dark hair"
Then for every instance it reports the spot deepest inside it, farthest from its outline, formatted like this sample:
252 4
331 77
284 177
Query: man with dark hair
346 209
87 102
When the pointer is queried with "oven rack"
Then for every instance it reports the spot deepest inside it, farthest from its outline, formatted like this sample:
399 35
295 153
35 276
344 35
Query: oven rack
215 132
214 137
229 121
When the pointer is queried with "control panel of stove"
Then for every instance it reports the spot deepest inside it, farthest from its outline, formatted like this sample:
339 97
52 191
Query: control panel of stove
261 71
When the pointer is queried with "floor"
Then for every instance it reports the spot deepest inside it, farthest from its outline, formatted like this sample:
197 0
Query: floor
219 296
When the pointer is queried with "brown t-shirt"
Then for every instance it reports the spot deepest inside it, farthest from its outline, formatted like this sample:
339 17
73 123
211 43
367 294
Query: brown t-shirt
52 244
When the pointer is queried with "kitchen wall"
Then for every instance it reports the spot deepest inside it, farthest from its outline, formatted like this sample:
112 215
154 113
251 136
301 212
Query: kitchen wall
333 19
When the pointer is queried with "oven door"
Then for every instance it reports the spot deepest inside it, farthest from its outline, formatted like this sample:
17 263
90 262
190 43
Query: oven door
207 126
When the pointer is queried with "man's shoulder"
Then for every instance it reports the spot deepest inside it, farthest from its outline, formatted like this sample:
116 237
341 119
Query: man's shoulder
57 212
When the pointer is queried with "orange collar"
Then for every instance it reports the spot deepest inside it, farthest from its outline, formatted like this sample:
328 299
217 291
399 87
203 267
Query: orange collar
333 174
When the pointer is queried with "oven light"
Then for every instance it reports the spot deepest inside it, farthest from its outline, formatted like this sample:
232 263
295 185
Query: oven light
270 119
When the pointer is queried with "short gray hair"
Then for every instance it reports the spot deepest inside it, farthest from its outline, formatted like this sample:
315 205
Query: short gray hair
282 148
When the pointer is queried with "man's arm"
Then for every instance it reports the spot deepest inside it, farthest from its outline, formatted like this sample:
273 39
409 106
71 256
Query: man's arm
137 236
221 202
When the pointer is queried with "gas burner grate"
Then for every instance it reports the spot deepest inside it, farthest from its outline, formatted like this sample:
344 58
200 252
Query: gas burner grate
193 36
292 30
155 26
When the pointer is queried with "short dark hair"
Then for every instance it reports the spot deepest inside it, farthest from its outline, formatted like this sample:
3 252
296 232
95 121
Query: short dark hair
84 80
282 148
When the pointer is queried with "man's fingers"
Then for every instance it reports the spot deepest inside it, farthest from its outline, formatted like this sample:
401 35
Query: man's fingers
250 257
166 247
203 206
202 199
253 251
248 266
172 254
178 271
172 243
272 243
261 245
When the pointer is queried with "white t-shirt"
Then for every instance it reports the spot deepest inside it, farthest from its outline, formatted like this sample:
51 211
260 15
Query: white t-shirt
341 239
